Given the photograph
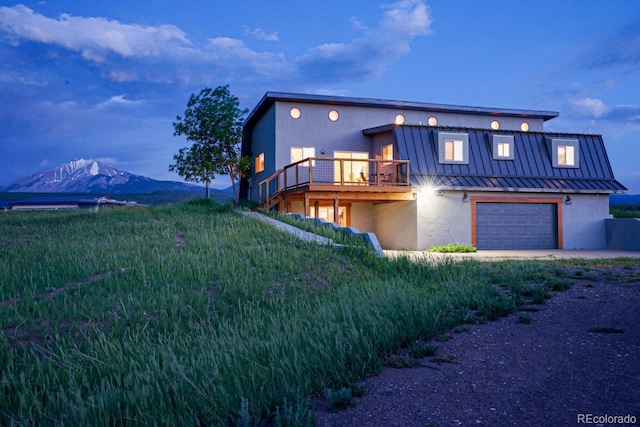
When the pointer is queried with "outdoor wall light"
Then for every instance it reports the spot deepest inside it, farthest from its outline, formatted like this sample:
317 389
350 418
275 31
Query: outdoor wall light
323 152
568 200
465 198
439 193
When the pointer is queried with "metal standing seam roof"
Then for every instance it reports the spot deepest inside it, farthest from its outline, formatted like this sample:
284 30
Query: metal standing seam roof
531 168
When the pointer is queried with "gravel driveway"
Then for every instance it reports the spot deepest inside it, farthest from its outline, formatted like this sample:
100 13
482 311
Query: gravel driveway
508 373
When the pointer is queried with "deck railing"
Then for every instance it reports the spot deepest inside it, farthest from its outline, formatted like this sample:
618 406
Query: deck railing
358 174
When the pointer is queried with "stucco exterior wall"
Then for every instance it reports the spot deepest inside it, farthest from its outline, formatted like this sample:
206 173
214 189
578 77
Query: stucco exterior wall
263 141
447 219
442 219
362 217
314 129
439 220
396 225
583 221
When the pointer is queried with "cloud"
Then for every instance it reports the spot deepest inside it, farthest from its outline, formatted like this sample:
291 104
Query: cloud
259 34
133 53
621 50
590 107
158 54
94 38
117 100
368 56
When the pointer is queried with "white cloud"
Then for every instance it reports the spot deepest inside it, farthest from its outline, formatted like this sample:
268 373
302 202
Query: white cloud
134 53
590 107
368 56
406 19
94 38
259 34
117 100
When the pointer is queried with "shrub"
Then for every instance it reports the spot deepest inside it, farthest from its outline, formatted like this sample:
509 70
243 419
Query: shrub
420 349
452 248
339 399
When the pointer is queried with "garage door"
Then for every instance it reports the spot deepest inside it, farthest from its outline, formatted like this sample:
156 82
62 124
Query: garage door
516 226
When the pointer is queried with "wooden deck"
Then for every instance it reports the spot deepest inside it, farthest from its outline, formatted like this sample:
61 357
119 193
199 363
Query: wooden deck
340 180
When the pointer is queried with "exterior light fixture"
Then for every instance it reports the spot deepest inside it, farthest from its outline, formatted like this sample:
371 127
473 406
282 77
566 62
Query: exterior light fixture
568 200
399 120
334 115
524 127
465 198
439 192
495 125
432 121
295 113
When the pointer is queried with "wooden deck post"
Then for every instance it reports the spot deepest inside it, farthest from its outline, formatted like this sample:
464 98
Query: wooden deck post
336 210
307 208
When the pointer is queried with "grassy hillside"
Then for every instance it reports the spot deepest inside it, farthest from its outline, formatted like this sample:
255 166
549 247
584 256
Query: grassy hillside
195 315
154 199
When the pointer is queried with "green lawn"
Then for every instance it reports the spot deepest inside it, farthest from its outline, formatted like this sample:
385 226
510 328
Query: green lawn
195 315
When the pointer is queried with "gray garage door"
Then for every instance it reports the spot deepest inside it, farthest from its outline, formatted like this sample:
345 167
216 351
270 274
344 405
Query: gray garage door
516 226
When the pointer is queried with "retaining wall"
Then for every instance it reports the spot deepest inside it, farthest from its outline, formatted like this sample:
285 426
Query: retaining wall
623 234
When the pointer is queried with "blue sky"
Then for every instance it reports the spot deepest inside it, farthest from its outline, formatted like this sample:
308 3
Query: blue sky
105 79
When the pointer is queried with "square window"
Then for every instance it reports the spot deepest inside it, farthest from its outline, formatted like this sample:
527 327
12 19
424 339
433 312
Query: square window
300 153
453 148
565 153
503 147
259 163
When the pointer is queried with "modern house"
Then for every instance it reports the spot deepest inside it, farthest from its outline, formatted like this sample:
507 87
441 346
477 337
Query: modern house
419 174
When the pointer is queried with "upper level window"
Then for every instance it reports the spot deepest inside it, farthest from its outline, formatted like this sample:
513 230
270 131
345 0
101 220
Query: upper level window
453 150
259 163
453 147
300 153
565 153
387 152
295 113
503 147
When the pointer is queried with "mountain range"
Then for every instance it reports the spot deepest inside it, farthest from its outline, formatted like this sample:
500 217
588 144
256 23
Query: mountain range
92 176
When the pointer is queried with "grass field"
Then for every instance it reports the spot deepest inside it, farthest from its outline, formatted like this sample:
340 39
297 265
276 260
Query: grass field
195 315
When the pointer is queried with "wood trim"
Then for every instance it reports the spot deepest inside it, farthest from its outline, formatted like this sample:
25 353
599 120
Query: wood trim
505 199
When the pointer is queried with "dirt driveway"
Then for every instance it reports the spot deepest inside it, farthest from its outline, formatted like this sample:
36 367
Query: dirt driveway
579 355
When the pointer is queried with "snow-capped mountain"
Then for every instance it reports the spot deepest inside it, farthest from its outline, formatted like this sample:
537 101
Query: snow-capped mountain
91 176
